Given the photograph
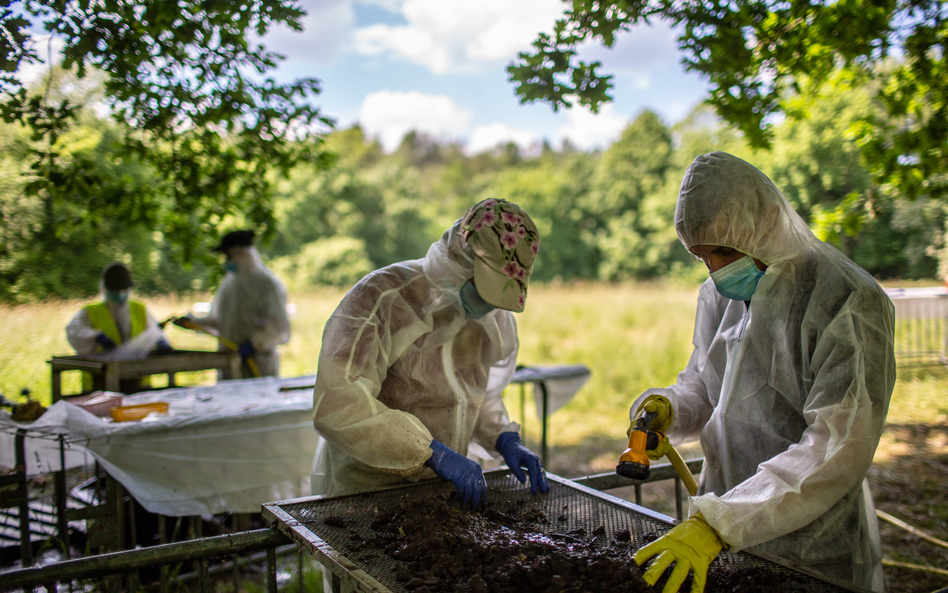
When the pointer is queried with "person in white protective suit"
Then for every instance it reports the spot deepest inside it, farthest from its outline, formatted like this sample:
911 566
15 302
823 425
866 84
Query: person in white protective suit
249 308
414 360
788 387
101 328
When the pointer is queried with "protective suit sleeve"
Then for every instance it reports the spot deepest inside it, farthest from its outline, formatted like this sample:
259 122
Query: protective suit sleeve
274 325
362 337
845 409
81 334
691 404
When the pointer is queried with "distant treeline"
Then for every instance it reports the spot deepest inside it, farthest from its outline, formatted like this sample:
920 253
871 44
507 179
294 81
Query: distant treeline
606 215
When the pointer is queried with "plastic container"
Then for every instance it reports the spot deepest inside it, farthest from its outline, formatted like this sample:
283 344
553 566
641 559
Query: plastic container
137 412
99 403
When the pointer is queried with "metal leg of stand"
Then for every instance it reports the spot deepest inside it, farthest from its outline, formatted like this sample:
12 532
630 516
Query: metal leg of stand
543 442
61 520
26 548
678 510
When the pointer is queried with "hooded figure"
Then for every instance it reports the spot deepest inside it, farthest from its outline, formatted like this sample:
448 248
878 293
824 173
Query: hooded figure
414 360
787 387
249 308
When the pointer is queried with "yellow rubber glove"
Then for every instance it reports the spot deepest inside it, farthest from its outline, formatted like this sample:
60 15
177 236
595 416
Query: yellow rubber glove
662 408
659 451
691 545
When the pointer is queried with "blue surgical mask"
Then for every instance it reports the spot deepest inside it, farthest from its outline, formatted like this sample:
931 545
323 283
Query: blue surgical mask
230 266
738 280
117 296
474 306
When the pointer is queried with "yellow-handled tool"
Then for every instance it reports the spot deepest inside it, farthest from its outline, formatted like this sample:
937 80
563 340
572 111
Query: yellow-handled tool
634 462
190 324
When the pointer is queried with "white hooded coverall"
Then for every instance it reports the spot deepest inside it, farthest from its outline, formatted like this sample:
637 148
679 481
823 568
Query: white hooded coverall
789 394
250 305
400 365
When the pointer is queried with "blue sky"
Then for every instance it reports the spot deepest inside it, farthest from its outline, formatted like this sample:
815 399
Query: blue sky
440 66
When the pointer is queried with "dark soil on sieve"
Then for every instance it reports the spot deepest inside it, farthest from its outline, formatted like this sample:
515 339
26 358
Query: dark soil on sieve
513 546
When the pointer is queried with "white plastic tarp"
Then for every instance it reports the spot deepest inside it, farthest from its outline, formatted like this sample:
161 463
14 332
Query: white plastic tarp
228 447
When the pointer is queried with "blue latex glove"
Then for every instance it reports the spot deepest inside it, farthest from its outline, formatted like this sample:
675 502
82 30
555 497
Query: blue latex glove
105 341
466 475
518 456
246 350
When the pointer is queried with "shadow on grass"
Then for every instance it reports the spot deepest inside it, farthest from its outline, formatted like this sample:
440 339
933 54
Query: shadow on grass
911 485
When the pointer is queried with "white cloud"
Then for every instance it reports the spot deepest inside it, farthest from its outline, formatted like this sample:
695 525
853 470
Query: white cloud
643 48
587 130
460 38
489 136
389 115
327 30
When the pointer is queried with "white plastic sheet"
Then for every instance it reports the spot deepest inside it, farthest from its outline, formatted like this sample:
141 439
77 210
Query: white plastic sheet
228 447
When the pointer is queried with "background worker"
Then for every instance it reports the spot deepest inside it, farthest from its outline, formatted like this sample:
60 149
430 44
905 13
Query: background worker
102 327
787 387
414 360
249 308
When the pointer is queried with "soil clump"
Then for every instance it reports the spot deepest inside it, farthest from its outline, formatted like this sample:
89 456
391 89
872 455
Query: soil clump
512 546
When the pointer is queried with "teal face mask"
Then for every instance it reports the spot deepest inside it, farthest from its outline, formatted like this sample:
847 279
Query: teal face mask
738 280
474 306
118 298
230 266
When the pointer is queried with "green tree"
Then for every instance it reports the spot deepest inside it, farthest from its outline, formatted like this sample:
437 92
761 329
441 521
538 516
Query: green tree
755 53
192 91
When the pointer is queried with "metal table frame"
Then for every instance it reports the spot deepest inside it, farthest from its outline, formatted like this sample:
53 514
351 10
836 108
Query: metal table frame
540 376
345 570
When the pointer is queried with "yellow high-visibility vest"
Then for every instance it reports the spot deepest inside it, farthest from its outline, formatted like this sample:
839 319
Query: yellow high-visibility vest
101 319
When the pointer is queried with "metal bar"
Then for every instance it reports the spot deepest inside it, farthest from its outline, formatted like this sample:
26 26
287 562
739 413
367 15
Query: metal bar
236 574
299 564
638 494
126 561
662 471
205 581
271 569
543 443
163 539
62 522
26 548
678 510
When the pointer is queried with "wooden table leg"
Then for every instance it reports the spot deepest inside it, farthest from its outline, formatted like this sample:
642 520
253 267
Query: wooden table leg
56 384
112 382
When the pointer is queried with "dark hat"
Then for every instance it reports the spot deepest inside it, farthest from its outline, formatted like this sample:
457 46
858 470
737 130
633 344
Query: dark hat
235 239
116 276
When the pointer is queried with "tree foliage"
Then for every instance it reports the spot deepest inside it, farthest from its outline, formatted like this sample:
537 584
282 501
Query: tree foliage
189 87
755 53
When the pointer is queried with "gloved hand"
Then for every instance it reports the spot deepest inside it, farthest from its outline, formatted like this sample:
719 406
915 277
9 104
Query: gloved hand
659 451
246 350
518 456
105 341
662 408
691 545
163 347
466 475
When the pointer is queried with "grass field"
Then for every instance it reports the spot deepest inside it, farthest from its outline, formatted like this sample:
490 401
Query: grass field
632 337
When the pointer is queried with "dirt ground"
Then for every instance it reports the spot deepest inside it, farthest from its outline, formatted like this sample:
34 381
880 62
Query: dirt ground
908 480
